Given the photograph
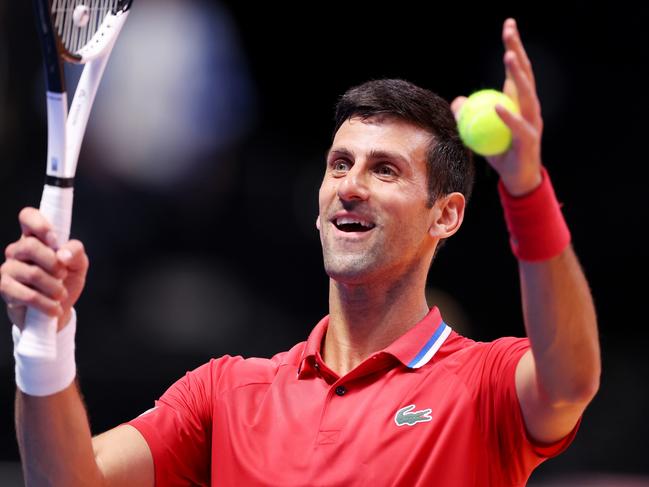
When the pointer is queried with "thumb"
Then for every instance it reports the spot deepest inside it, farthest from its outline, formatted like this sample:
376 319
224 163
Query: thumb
457 104
73 256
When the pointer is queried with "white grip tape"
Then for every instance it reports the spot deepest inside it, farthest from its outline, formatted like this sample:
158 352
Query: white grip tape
56 206
38 337
41 377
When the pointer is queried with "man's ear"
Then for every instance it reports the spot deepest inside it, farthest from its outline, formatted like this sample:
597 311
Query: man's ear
448 215
317 223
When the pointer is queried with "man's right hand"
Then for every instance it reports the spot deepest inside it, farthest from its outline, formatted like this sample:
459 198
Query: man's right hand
56 445
37 274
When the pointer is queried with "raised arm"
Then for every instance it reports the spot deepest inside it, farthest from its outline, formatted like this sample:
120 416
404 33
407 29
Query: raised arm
53 432
558 378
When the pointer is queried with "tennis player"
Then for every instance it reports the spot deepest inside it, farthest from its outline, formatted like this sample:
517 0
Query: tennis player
383 391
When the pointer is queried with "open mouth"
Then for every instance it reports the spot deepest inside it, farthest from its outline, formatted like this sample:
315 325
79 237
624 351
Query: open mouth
346 224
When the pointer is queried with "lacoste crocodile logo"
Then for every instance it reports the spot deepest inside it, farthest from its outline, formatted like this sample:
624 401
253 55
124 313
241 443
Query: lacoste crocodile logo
406 416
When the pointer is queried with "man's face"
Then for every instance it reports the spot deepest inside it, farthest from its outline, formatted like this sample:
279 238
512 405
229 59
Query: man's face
374 218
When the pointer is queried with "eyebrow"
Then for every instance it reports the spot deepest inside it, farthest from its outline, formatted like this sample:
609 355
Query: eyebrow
374 154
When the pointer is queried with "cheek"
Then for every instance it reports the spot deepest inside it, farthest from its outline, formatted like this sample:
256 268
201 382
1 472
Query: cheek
320 202
324 195
412 212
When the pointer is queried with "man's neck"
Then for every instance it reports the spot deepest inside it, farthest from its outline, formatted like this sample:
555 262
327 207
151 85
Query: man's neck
364 319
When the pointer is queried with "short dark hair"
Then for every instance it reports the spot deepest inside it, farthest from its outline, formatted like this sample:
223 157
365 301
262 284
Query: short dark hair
450 163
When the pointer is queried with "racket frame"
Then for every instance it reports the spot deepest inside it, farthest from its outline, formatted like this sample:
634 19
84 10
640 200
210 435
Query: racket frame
65 135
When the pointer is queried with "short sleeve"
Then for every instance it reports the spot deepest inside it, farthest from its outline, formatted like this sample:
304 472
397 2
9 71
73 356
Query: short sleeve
502 418
178 430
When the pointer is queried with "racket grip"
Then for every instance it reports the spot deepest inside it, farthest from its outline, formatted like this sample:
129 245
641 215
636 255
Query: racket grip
38 338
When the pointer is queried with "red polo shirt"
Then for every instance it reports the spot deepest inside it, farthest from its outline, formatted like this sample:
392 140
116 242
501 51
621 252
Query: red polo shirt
433 408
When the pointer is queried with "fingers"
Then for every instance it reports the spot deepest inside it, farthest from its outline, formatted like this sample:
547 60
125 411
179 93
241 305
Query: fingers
37 274
18 296
512 42
35 278
520 77
23 284
521 129
32 222
526 93
73 256
31 250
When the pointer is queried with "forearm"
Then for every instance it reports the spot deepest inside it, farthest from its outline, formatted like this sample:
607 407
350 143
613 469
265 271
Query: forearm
562 327
55 440
51 422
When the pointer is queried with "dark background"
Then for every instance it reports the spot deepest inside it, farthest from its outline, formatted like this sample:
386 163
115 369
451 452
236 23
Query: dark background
234 249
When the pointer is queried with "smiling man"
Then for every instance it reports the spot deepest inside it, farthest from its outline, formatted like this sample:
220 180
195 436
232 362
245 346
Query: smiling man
383 392
380 217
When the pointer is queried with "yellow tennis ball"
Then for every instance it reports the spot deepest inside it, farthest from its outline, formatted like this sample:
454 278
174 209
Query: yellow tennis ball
480 127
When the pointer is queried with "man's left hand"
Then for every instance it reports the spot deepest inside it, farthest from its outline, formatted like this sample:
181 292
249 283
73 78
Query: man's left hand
519 167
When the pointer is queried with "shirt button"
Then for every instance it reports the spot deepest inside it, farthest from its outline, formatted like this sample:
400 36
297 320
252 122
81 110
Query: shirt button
341 390
316 365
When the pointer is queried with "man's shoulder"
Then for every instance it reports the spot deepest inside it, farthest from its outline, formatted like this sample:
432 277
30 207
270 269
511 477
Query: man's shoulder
231 372
459 350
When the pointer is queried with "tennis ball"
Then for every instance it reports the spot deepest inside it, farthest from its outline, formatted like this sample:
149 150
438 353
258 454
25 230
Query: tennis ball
81 16
481 129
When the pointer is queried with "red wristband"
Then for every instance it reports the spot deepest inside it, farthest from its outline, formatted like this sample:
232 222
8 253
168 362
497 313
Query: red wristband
537 229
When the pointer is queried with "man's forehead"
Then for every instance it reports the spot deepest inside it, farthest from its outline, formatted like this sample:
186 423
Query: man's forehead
380 137
385 121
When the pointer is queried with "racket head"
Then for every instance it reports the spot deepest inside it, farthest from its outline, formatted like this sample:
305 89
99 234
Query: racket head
81 29
50 47
83 41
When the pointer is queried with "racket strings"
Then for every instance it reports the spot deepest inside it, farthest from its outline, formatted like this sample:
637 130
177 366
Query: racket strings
75 35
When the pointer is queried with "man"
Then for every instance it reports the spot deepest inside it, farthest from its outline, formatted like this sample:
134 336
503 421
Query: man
383 392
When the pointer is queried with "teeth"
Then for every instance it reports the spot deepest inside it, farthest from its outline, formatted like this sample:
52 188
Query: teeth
348 221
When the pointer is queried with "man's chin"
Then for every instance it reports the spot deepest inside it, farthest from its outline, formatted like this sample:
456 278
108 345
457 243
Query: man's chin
350 272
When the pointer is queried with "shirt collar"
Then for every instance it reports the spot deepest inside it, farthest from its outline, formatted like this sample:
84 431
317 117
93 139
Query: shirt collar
418 346
312 347
413 349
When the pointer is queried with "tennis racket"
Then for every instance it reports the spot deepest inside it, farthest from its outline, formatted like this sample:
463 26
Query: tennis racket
81 32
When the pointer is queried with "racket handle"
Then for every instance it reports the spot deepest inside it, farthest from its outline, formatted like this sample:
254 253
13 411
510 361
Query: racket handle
38 338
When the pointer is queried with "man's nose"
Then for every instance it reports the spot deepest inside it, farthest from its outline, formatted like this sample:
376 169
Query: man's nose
354 185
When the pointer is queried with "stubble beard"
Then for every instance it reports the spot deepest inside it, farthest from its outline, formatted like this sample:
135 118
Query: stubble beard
350 266
372 262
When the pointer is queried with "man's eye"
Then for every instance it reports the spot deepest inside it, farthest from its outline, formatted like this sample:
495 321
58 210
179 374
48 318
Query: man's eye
385 170
340 166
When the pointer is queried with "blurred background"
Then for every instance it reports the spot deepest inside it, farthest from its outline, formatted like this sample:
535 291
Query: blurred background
196 194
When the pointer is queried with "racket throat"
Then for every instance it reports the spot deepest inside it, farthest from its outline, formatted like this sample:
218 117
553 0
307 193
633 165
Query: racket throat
57 114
